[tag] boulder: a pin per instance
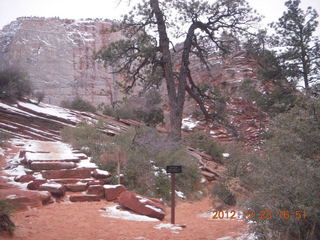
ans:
(141, 205)
(52, 165)
(112, 192)
(35, 184)
(67, 173)
(55, 189)
(100, 174)
(76, 187)
(96, 190)
(84, 198)
(24, 178)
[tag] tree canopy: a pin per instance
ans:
(145, 54)
(295, 32)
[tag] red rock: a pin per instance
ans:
(24, 178)
(112, 192)
(96, 190)
(52, 165)
(141, 205)
(76, 187)
(84, 198)
(100, 174)
(68, 173)
(46, 197)
(99, 182)
(55, 189)
(35, 184)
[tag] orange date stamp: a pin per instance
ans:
(260, 215)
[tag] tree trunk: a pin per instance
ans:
(174, 104)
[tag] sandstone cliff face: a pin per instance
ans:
(58, 56)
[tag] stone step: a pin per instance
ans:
(67, 173)
(76, 187)
(84, 198)
(52, 165)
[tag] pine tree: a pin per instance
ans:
(295, 32)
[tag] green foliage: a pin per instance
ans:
(39, 96)
(145, 109)
(205, 143)
(147, 154)
(223, 193)
(295, 31)
(281, 99)
(4, 137)
(286, 175)
(79, 104)
(14, 85)
(6, 225)
(88, 138)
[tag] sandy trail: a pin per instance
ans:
(80, 221)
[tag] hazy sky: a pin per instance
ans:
(76, 9)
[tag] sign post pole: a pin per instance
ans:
(173, 196)
(173, 169)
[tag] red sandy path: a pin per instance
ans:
(82, 221)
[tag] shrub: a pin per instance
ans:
(39, 96)
(148, 155)
(203, 142)
(14, 85)
(286, 175)
(221, 191)
(4, 137)
(145, 109)
(79, 104)
(6, 225)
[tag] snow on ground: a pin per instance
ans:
(86, 163)
(188, 123)
(48, 151)
(180, 194)
(111, 186)
(226, 155)
(169, 226)
(114, 212)
(50, 110)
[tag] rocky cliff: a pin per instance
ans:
(58, 56)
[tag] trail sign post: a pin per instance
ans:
(173, 169)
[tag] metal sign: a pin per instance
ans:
(174, 169)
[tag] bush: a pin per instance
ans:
(204, 142)
(223, 193)
(14, 85)
(39, 96)
(280, 100)
(145, 109)
(4, 137)
(286, 175)
(148, 155)
(79, 104)
(6, 225)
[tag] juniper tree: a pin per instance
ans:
(146, 51)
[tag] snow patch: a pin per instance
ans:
(86, 163)
(154, 208)
(189, 124)
(167, 226)
(110, 186)
(114, 212)
(180, 194)
(226, 155)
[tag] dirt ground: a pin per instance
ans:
(80, 221)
